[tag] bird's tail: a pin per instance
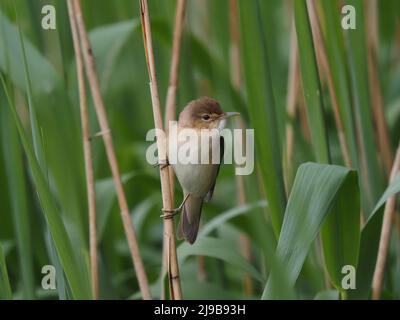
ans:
(190, 219)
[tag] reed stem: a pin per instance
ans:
(109, 146)
(382, 131)
(169, 234)
(170, 105)
(291, 103)
(322, 59)
(388, 221)
(87, 151)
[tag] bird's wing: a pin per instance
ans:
(221, 155)
(190, 219)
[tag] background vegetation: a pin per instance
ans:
(327, 125)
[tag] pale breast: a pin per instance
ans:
(197, 178)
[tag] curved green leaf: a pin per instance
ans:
(315, 191)
(369, 244)
(220, 249)
(340, 232)
(13, 159)
(107, 43)
(262, 110)
(74, 268)
(44, 77)
(230, 214)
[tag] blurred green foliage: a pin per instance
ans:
(43, 212)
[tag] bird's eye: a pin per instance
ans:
(206, 117)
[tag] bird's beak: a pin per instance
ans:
(229, 114)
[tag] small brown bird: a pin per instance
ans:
(198, 179)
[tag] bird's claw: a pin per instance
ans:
(168, 214)
(162, 164)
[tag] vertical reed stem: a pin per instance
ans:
(169, 235)
(87, 151)
(170, 105)
(170, 109)
(292, 99)
(109, 146)
(235, 73)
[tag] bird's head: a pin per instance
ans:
(204, 113)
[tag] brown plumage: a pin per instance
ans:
(198, 179)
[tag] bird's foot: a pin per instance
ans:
(162, 164)
(169, 214)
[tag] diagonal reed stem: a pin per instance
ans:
(322, 58)
(170, 105)
(87, 151)
(109, 146)
(169, 235)
(388, 220)
(235, 74)
(170, 109)
(382, 131)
